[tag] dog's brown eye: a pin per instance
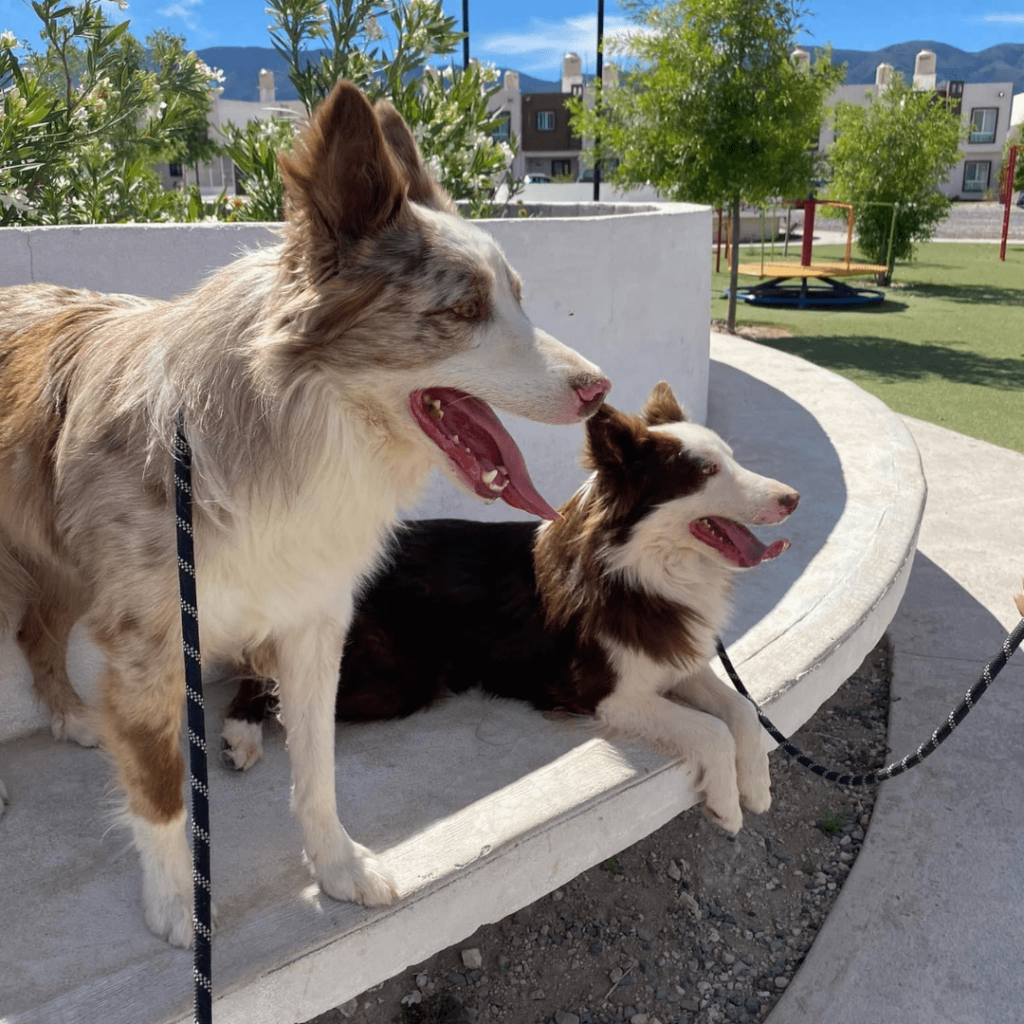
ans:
(468, 310)
(709, 468)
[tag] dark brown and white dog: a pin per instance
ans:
(320, 380)
(611, 611)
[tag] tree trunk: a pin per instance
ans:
(734, 261)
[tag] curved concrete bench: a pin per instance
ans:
(479, 806)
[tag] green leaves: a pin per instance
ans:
(86, 117)
(896, 150)
(385, 47)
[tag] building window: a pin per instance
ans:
(545, 120)
(560, 167)
(503, 132)
(577, 89)
(983, 124)
(174, 170)
(976, 175)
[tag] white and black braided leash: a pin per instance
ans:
(201, 890)
(953, 719)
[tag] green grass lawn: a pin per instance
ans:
(946, 346)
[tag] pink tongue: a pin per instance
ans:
(752, 552)
(750, 548)
(490, 444)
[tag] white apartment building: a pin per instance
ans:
(218, 175)
(986, 111)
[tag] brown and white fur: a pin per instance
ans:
(305, 373)
(611, 611)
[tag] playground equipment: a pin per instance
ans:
(809, 283)
(1006, 189)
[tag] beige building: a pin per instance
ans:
(219, 175)
(985, 108)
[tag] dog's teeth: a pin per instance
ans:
(489, 476)
(498, 488)
(437, 412)
(455, 438)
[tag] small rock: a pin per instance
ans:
(421, 981)
(349, 1009)
(673, 871)
(639, 1018)
(781, 982)
(537, 994)
(558, 895)
(412, 998)
(561, 1017)
(472, 959)
(615, 976)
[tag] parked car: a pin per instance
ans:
(537, 179)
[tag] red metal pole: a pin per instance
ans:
(718, 252)
(808, 232)
(1010, 174)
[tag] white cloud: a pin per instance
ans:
(1008, 19)
(542, 45)
(185, 10)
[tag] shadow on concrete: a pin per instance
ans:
(792, 448)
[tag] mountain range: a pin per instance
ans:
(1004, 63)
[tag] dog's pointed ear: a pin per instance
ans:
(662, 407)
(613, 439)
(423, 188)
(343, 180)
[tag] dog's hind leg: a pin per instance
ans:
(307, 681)
(43, 638)
(141, 714)
(705, 691)
(699, 740)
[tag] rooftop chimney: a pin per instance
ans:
(268, 91)
(924, 71)
(572, 71)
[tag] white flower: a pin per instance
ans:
(8, 40)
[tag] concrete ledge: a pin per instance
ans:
(479, 806)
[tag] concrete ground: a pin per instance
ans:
(930, 924)
(479, 807)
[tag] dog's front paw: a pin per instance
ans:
(727, 814)
(755, 783)
(75, 726)
(241, 743)
(360, 878)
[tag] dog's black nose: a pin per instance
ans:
(790, 501)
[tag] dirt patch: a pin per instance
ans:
(752, 332)
(688, 926)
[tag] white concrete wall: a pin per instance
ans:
(629, 289)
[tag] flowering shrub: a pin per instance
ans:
(385, 47)
(86, 115)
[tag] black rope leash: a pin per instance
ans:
(953, 719)
(203, 947)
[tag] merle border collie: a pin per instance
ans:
(610, 611)
(321, 380)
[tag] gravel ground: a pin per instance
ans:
(688, 926)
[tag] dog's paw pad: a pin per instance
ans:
(362, 879)
(241, 743)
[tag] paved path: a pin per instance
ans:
(930, 925)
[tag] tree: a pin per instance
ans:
(384, 47)
(1015, 137)
(897, 149)
(713, 109)
(87, 114)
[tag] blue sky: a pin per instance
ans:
(531, 35)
